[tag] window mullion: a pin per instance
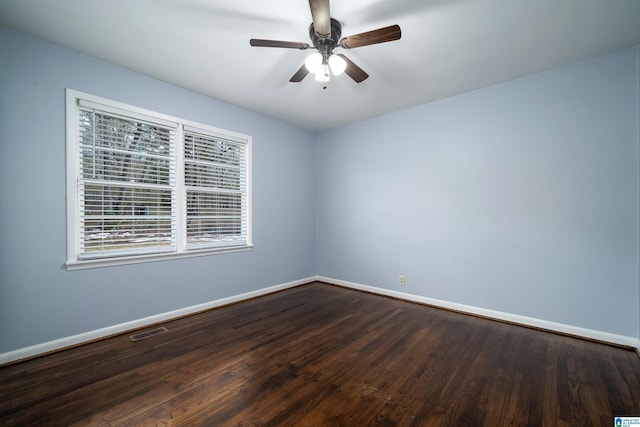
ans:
(180, 193)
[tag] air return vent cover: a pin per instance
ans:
(148, 334)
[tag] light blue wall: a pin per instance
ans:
(520, 198)
(637, 89)
(39, 299)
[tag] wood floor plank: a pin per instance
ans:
(320, 355)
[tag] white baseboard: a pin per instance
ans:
(59, 344)
(492, 314)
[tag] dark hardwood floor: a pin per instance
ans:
(320, 355)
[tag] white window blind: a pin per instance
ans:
(215, 190)
(147, 186)
(126, 185)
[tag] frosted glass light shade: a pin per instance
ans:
(313, 62)
(322, 75)
(337, 64)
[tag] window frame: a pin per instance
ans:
(74, 262)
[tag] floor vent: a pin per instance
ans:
(147, 334)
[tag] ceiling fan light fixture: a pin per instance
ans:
(313, 62)
(337, 65)
(322, 75)
(326, 35)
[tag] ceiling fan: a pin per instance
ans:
(325, 33)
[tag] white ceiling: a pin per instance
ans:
(447, 47)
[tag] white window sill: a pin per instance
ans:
(110, 262)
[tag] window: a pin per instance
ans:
(145, 186)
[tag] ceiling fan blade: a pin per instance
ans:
(278, 43)
(299, 75)
(353, 71)
(381, 35)
(321, 17)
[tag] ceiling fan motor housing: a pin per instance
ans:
(325, 45)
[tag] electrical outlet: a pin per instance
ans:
(401, 280)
